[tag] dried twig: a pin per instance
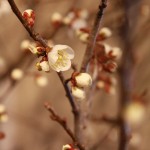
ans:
(63, 123)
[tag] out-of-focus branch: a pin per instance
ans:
(93, 36)
(126, 72)
(103, 118)
(97, 145)
(63, 123)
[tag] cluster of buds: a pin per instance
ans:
(79, 82)
(83, 34)
(58, 57)
(75, 19)
(68, 147)
(29, 16)
(107, 83)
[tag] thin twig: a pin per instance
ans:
(93, 36)
(63, 123)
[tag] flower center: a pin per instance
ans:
(62, 59)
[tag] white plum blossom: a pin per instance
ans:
(78, 93)
(83, 80)
(59, 57)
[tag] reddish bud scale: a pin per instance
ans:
(110, 66)
(73, 81)
(85, 30)
(56, 24)
(29, 17)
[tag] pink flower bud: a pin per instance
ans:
(29, 16)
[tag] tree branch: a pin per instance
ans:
(93, 36)
(63, 123)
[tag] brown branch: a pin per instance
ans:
(68, 94)
(93, 36)
(38, 38)
(63, 123)
(31, 31)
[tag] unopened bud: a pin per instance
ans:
(29, 16)
(67, 147)
(56, 19)
(83, 80)
(115, 52)
(25, 44)
(41, 81)
(83, 14)
(17, 74)
(78, 93)
(105, 32)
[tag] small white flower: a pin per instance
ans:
(106, 32)
(59, 57)
(56, 17)
(66, 147)
(83, 80)
(17, 74)
(78, 93)
(41, 81)
(45, 66)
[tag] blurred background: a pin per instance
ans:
(28, 125)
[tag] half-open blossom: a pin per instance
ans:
(59, 57)
(78, 93)
(29, 16)
(83, 80)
